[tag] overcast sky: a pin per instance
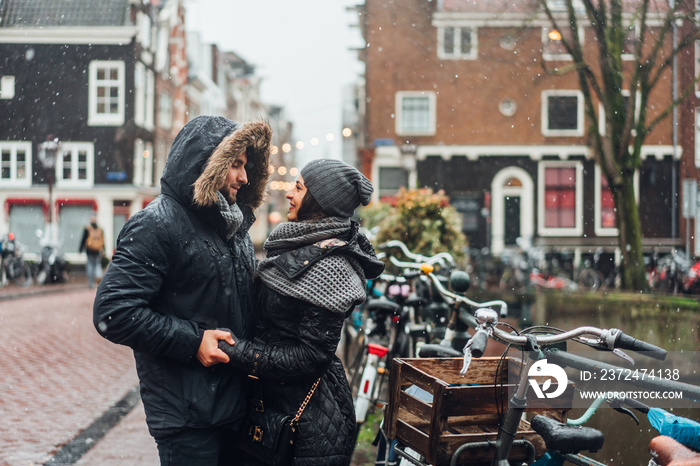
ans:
(301, 48)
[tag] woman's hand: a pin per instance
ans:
(209, 353)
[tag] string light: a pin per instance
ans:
(313, 141)
(554, 34)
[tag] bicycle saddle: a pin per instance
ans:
(668, 452)
(414, 301)
(567, 439)
(383, 305)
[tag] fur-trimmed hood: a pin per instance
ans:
(204, 150)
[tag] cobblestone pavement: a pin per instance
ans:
(59, 376)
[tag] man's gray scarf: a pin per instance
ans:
(335, 282)
(233, 216)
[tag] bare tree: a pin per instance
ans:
(647, 29)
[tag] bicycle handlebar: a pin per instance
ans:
(463, 299)
(627, 342)
(607, 338)
(439, 257)
(478, 345)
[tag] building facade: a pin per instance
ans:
(458, 98)
(104, 87)
(83, 77)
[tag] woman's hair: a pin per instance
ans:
(310, 208)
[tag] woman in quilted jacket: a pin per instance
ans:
(313, 276)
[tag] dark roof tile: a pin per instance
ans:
(55, 13)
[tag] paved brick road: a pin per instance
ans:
(57, 376)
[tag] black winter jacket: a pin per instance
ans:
(295, 344)
(174, 275)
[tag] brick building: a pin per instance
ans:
(457, 98)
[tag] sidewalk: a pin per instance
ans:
(77, 280)
(127, 443)
(54, 394)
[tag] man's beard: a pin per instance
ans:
(229, 194)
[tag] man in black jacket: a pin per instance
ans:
(183, 268)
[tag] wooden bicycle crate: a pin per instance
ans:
(456, 409)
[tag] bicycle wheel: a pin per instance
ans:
(24, 275)
(355, 370)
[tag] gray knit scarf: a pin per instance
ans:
(335, 282)
(233, 216)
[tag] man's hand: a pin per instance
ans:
(209, 353)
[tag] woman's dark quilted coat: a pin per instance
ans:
(295, 344)
(301, 341)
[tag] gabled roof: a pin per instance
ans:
(57, 13)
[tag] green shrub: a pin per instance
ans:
(422, 219)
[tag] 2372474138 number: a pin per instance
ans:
(613, 375)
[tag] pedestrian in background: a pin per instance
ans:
(313, 276)
(93, 243)
(183, 268)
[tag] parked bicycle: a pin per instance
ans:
(442, 441)
(534, 268)
(401, 315)
(672, 269)
(13, 269)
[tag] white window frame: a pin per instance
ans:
(599, 230)
(432, 108)
(144, 97)
(697, 138)
(165, 110)
(577, 230)
(558, 6)
(545, 113)
(559, 56)
(145, 31)
(96, 118)
(140, 94)
(697, 65)
(458, 54)
(630, 56)
(74, 148)
(7, 87)
(13, 147)
(143, 165)
(150, 122)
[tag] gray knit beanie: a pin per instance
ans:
(338, 188)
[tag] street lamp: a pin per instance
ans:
(48, 152)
